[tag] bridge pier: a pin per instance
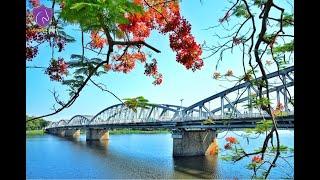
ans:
(61, 132)
(97, 134)
(74, 133)
(194, 142)
(50, 131)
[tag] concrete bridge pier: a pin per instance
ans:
(194, 142)
(50, 131)
(72, 133)
(97, 134)
(61, 132)
(53, 131)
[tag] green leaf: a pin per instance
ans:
(287, 20)
(286, 47)
(282, 148)
(79, 6)
(226, 158)
(263, 126)
(241, 11)
(134, 103)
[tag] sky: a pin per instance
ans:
(178, 82)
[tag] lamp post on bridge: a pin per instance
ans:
(181, 106)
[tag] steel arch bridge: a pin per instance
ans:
(228, 105)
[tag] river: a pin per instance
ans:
(138, 156)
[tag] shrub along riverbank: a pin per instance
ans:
(34, 132)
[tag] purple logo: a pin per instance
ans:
(42, 15)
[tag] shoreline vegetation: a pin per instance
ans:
(113, 132)
(34, 132)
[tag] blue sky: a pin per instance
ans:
(178, 83)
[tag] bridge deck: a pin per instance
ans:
(285, 122)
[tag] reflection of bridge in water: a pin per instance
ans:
(191, 134)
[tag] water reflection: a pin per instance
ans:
(203, 167)
(129, 156)
(100, 146)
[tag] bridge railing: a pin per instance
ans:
(236, 116)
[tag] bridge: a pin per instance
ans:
(193, 127)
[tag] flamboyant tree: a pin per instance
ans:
(119, 30)
(262, 30)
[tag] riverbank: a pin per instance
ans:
(34, 132)
(134, 131)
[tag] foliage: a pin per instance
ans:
(130, 21)
(34, 132)
(241, 11)
(138, 102)
(263, 126)
(118, 30)
(286, 47)
(36, 124)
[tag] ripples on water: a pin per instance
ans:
(136, 156)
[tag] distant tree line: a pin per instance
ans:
(36, 124)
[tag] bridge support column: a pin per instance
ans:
(74, 133)
(61, 132)
(97, 134)
(194, 142)
(49, 131)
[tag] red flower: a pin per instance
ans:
(158, 79)
(57, 69)
(256, 159)
(232, 140)
(97, 41)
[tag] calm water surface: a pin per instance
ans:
(136, 156)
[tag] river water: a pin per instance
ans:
(138, 156)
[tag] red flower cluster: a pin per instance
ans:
(97, 41)
(158, 79)
(31, 52)
(34, 35)
(127, 61)
(231, 140)
(140, 26)
(188, 51)
(151, 69)
(168, 21)
(256, 159)
(57, 69)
